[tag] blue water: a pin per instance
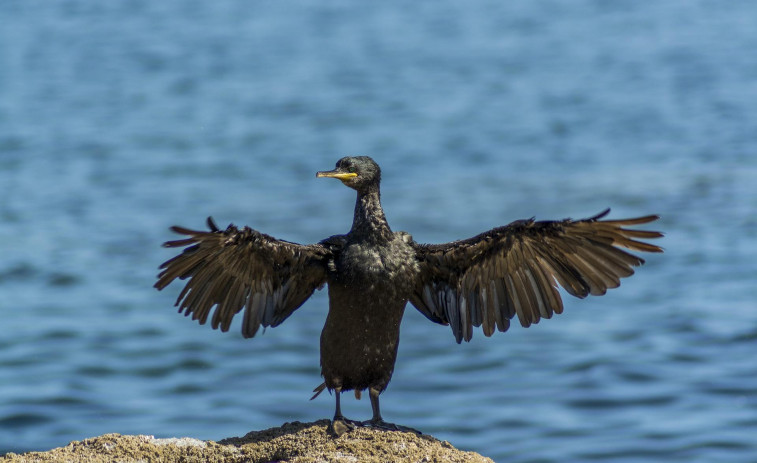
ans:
(119, 119)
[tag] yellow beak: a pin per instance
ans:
(336, 174)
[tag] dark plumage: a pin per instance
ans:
(372, 272)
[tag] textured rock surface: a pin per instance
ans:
(293, 442)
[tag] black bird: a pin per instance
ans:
(372, 272)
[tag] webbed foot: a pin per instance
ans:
(386, 426)
(341, 425)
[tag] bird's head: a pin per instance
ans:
(359, 172)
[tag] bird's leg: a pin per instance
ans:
(378, 422)
(374, 395)
(340, 424)
(338, 412)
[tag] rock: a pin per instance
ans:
(293, 442)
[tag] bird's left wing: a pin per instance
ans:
(237, 269)
(514, 270)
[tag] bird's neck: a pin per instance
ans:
(369, 220)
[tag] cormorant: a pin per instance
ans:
(372, 272)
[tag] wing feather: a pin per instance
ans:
(242, 269)
(515, 270)
(544, 283)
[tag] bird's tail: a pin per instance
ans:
(318, 390)
(322, 386)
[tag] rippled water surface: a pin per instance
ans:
(119, 119)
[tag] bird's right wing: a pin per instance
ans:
(237, 269)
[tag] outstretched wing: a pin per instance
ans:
(238, 269)
(514, 270)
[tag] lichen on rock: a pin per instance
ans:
(291, 443)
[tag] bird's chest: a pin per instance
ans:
(370, 266)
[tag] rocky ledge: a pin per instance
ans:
(293, 442)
